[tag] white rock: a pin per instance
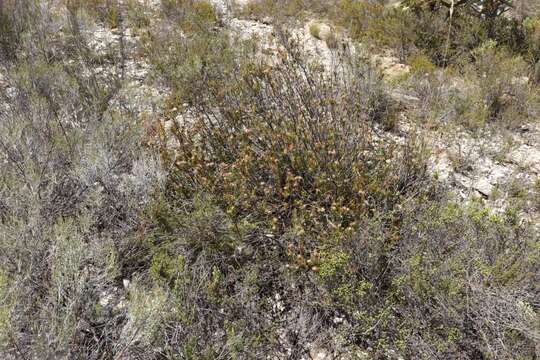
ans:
(319, 354)
(106, 298)
(526, 156)
(442, 167)
(484, 187)
(390, 66)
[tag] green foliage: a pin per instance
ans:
(283, 9)
(425, 26)
(166, 267)
(487, 9)
(105, 11)
(333, 263)
(5, 309)
(315, 30)
(503, 94)
(190, 15)
(487, 253)
(392, 28)
(205, 55)
(356, 16)
(421, 64)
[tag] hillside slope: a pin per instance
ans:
(256, 179)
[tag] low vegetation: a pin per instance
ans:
(268, 208)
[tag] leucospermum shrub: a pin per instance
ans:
(289, 142)
(274, 169)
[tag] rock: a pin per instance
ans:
(396, 71)
(267, 20)
(106, 298)
(121, 306)
(222, 7)
(525, 128)
(404, 99)
(442, 168)
(390, 66)
(521, 80)
(277, 303)
(484, 187)
(462, 180)
(526, 156)
(248, 29)
(243, 3)
(324, 31)
(319, 354)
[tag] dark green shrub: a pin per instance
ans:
(427, 26)
(289, 159)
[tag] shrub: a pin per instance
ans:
(315, 30)
(332, 40)
(421, 64)
(283, 9)
(205, 53)
(474, 275)
(273, 173)
(105, 11)
(503, 94)
(357, 15)
(392, 28)
(16, 23)
(6, 304)
(306, 160)
(73, 178)
(192, 15)
(495, 93)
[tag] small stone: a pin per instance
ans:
(267, 20)
(484, 187)
(404, 98)
(106, 299)
(396, 71)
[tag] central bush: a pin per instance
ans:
(289, 143)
